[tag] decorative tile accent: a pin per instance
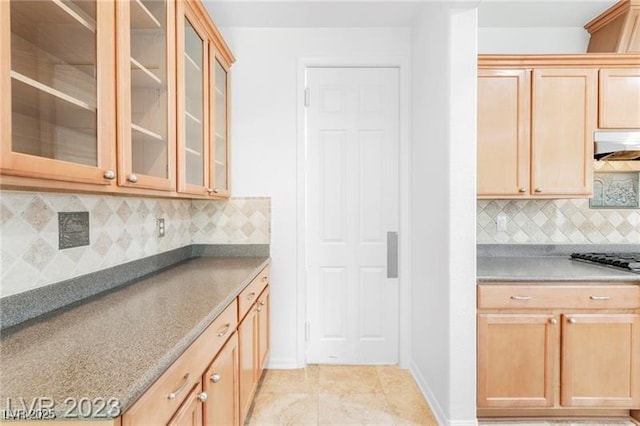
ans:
(615, 190)
(567, 221)
(121, 229)
(73, 229)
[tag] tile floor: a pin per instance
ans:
(340, 395)
(356, 395)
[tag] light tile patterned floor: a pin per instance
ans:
(340, 395)
(358, 395)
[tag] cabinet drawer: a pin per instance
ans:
(159, 403)
(549, 297)
(250, 294)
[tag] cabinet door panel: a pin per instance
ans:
(190, 412)
(517, 356)
(563, 121)
(247, 337)
(56, 77)
(146, 87)
(619, 100)
(193, 104)
(221, 384)
(220, 137)
(601, 360)
(503, 132)
(263, 330)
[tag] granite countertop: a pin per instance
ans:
(116, 345)
(547, 268)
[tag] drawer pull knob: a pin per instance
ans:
(572, 320)
(203, 396)
(522, 190)
(600, 297)
(109, 174)
(553, 321)
(175, 393)
(538, 190)
(264, 278)
(521, 297)
(251, 295)
(224, 330)
(216, 378)
(259, 309)
(262, 303)
(132, 178)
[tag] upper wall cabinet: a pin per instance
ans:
(146, 93)
(61, 72)
(202, 108)
(619, 100)
(57, 78)
(504, 121)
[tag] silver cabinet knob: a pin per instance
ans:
(203, 396)
(572, 320)
(522, 190)
(132, 178)
(109, 174)
(538, 190)
(553, 321)
(210, 190)
(215, 191)
(215, 378)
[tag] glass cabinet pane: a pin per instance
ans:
(54, 80)
(220, 127)
(194, 135)
(149, 107)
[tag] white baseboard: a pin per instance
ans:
(433, 402)
(283, 364)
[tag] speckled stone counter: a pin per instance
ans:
(547, 268)
(117, 344)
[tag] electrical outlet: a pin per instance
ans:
(501, 222)
(160, 227)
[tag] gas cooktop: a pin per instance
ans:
(628, 261)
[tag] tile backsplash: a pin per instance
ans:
(567, 221)
(122, 229)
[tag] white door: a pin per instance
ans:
(352, 125)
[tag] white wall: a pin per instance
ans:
(532, 40)
(443, 211)
(263, 121)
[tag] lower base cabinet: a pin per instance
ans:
(190, 412)
(214, 380)
(220, 382)
(558, 348)
(253, 334)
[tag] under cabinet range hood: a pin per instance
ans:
(617, 145)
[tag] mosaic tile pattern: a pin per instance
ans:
(615, 190)
(121, 229)
(555, 222)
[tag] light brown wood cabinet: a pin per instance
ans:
(253, 334)
(203, 104)
(190, 412)
(61, 71)
(57, 109)
(535, 132)
(551, 348)
(221, 384)
(619, 98)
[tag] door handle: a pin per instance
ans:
(392, 255)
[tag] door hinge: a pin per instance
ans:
(307, 331)
(307, 96)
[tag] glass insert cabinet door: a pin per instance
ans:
(146, 92)
(56, 73)
(220, 128)
(193, 104)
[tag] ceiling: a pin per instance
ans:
(398, 13)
